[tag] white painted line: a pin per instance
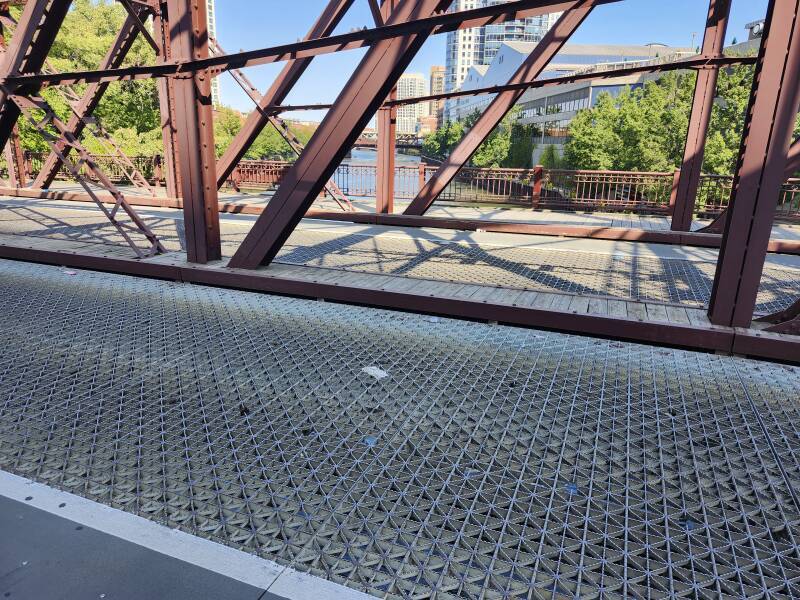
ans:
(241, 566)
(302, 586)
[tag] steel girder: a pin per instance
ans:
(771, 114)
(91, 97)
(194, 126)
(364, 92)
(36, 31)
(528, 71)
(685, 193)
(387, 132)
(437, 24)
(257, 120)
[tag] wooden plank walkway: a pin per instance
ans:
(650, 322)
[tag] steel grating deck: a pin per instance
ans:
(644, 279)
(488, 462)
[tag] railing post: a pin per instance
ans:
(685, 194)
(421, 169)
(538, 175)
(673, 195)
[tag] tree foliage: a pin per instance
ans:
(509, 145)
(644, 129)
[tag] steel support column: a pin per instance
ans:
(257, 120)
(529, 70)
(91, 97)
(194, 126)
(761, 167)
(683, 201)
(387, 141)
(166, 105)
(364, 92)
(37, 29)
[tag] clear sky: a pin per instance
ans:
(251, 24)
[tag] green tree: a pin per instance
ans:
(644, 129)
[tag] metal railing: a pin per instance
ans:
(553, 189)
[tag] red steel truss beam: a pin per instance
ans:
(366, 89)
(685, 192)
(91, 98)
(166, 105)
(528, 71)
(435, 24)
(194, 126)
(37, 29)
(386, 121)
(793, 161)
(773, 107)
(257, 120)
(700, 62)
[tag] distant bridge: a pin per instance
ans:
(401, 141)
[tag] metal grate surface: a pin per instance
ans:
(472, 461)
(686, 282)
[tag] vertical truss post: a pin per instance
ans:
(166, 104)
(12, 152)
(283, 84)
(761, 168)
(387, 146)
(363, 93)
(91, 98)
(528, 71)
(685, 194)
(37, 29)
(194, 127)
(793, 162)
(387, 139)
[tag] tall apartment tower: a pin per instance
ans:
(437, 78)
(411, 85)
(479, 46)
(212, 31)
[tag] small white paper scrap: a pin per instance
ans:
(376, 372)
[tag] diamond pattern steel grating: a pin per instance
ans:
(685, 282)
(488, 462)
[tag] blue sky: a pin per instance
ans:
(249, 24)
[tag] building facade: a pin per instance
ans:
(435, 107)
(211, 15)
(467, 48)
(411, 85)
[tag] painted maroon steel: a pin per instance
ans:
(528, 71)
(683, 201)
(717, 226)
(698, 62)
(257, 120)
(793, 160)
(761, 168)
(15, 163)
(385, 162)
(387, 140)
(366, 89)
(35, 33)
(91, 98)
(438, 24)
(741, 341)
(689, 239)
(194, 125)
(166, 105)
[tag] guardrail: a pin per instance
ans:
(553, 189)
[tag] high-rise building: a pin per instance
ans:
(469, 47)
(411, 85)
(212, 31)
(436, 87)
